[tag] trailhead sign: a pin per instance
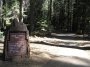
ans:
(16, 43)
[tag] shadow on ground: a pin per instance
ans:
(76, 47)
(1, 56)
(62, 61)
(54, 63)
(69, 36)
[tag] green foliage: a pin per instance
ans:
(44, 16)
(1, 34)
(8, 9)
(43, 25)
(38, 17)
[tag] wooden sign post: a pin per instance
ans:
(16, 45)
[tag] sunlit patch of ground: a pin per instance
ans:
(1, 48)
(60, 50)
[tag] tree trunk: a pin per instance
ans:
(21, 11)
(49, 16)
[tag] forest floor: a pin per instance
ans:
(58, 50)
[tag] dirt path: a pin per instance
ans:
(56, 56)
(60, 57)
(45, 52)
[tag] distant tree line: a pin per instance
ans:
(45, 16)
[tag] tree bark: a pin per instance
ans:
(20, 10)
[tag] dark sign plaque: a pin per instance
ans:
(17, 36)
(17, 44)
